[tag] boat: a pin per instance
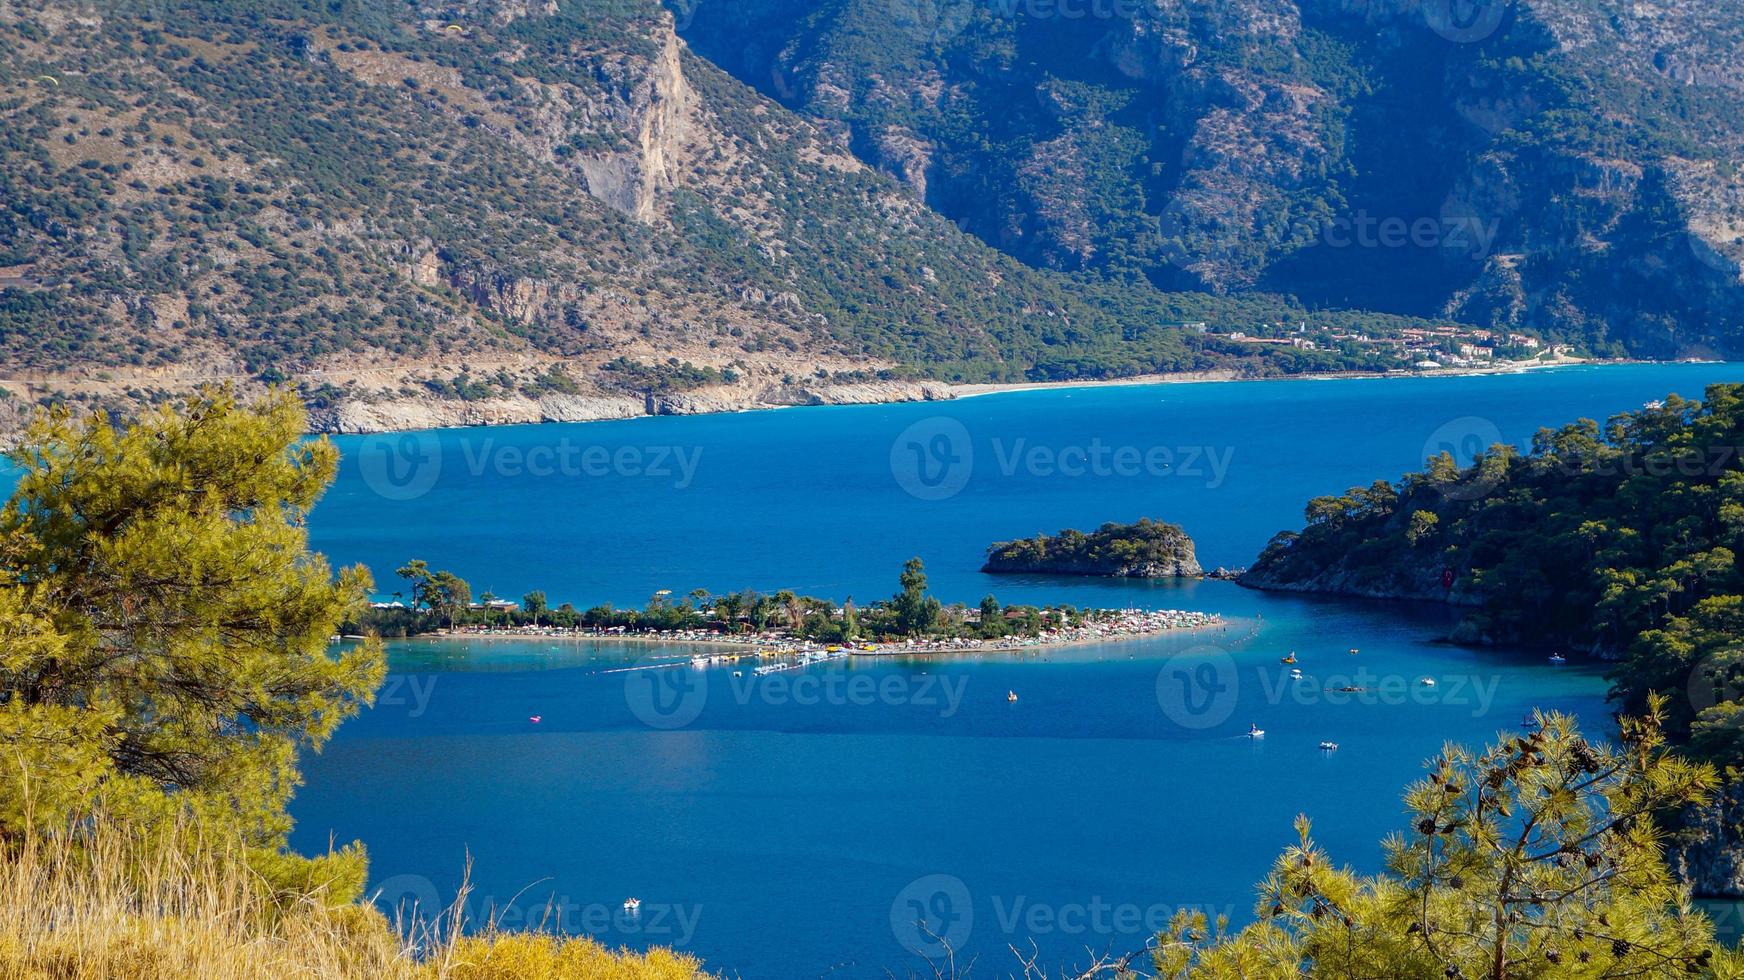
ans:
(1427, 682)
(1329, 746)
(1558, 659)
(1011, 696)
(632, 904)
(1296, 674)
(1255, 731)
(1354, 651)
(1290, 659)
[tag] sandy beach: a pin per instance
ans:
(1113, 626)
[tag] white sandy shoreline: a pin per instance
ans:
(786, 646)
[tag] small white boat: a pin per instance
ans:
(1427, 682)
(1011, 696)
(1296, 674)
(1329, 746)
(1255, 731)
(1558, 659)
(632, 904)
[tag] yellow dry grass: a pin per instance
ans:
(107, 902)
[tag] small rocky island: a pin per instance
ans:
(1147, 549)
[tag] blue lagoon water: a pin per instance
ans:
(802, 824)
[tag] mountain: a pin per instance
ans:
(423, 212)
(1563, 165)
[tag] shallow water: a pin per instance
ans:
(801, 824)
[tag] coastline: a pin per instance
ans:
(782, 646)
(426, 415)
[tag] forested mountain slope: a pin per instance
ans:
(428, 212)
(1566, 165)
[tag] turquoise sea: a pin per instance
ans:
(845, 819)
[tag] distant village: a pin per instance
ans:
(1414, 348)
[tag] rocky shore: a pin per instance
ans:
(431, 412)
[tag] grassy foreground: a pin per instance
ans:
(108, 901)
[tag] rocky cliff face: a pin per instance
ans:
(1559, 165)
(1413, 577)
(495, 209)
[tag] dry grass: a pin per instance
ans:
(108, 902)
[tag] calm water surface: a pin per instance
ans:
(801, 824)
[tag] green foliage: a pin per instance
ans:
(1622, 539)
(165, 625)
(1143, 548)
(1537, 857)
(915, 613)
(165, 204)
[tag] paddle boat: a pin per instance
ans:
(1288, 660)
(536, 719)
(1255, 731)
(1558, 659)
(1011, 696)
(1329, 746)
(632, 904)
(1427, 682)
(1296, 674)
